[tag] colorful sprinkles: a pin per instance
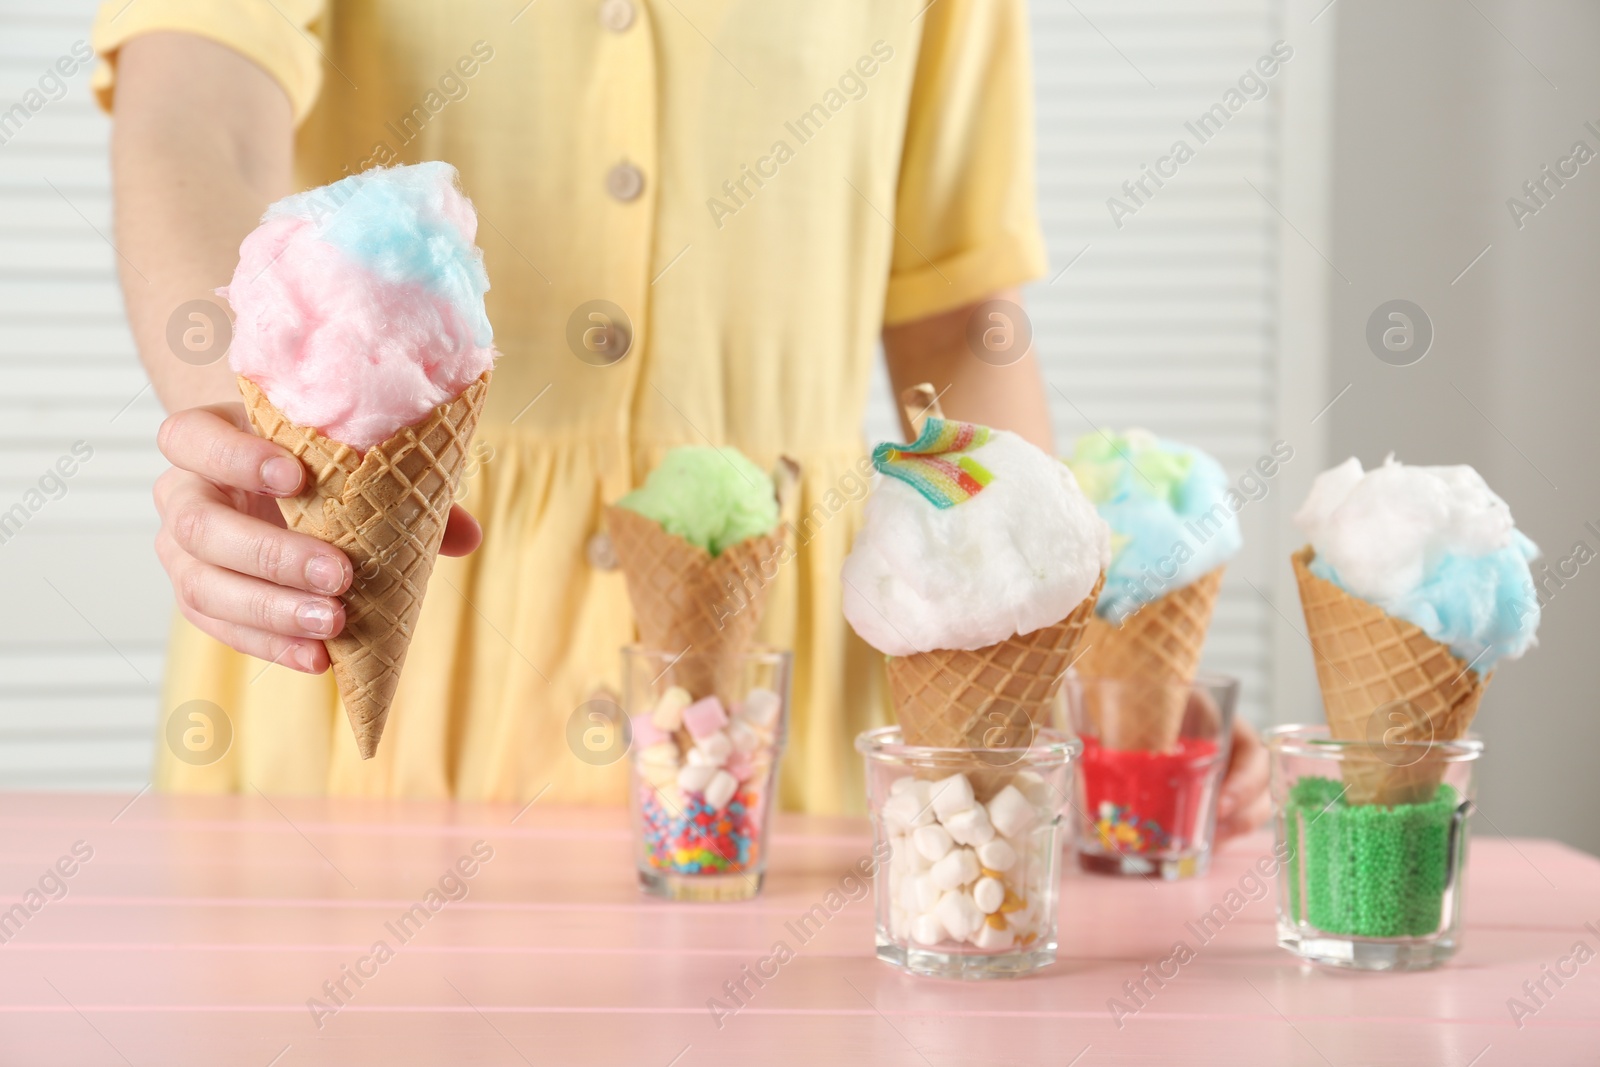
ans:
(1369, 870)
(700, 839)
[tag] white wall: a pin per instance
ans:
(81, 643)
(1443, 111)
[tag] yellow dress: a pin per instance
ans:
(726, 173)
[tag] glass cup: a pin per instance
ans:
(971, 842)
(706, 738)
(1373, 839)
(1153, 760)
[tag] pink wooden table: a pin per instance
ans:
(200, 927)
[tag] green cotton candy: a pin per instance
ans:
(1101, 463)
(711, 497)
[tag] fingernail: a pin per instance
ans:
(307, 658)
(1225, 805)
(324, 574)
(315, 616)
(281, 475)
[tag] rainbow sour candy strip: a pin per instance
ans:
(933, 465)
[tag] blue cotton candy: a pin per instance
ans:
(1483, 607)
(1171, 523)
(408, 227)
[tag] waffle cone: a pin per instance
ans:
(1383, 681)
(701, 608)
(954, 698)
(385, 509)
(1154, 655)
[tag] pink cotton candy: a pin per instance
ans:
(346, 316)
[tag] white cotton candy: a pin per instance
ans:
(1014, 558)
(1380, 530)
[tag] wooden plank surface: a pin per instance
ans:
(200, 927)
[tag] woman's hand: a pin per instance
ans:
(1244, 803)
(238, 574)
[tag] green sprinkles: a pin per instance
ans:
(1369, 870)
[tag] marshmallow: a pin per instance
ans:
(902, 887)
(699, 757)
(932, 841)
(671, 797)
(716, 746)
(958, 867)
(1032, 785)
(924, 893)
(988, 895)
(990, 939)
(646, 733)
(951, 795)
(927, 930)
(899, 923)
(668, 714)
(970, 827)
(720, 789)
(909, 808)
(659, 775)
(743, 737)
(1010, 812)
(705, 717)
(900, 785)
(741, 766)
(695, 777)
(663, 753)
(761, 707)
(958, 914)
(997, 855)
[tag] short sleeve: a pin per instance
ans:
(965, 209)
(276, 35)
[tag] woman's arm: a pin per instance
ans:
(202, 142)
(990, 391)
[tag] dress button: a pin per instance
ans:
(602, 557)
(625, 181)
(616, 15)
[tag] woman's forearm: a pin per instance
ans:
(201, 142)
(991, 391)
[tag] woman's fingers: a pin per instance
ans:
(213, 443)
(1246, 820)
(462, 534)
(206, 526)
(1244, 803)
(250, 602)
(308, 657)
